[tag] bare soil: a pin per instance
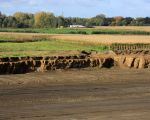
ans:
(83, 94)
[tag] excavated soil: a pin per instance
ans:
(19, 65)
(76, 87)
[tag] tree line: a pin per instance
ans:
(49, 20)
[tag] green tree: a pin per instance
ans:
(60, 21)
(2, 17)
(11, 22)
(24, 19)
(99, 20)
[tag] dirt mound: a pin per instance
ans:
(17, 65)
(132, 61)
(132, 52)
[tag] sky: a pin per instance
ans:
(79, 8)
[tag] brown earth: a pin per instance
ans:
(83, 94)
(103, 39)
(18, 65)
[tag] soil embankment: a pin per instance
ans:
(17, 65)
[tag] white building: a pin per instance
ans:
(77, 26)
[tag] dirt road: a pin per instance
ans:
(90, 94)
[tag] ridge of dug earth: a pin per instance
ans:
(20, 65)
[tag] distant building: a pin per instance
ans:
(77, 26)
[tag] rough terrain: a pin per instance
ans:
(18, 65)
(83, 94)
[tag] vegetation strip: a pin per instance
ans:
(76, 31)
(22, 41)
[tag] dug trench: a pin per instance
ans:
(20, 65)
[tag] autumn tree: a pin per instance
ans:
(118, 20)
(44, 19)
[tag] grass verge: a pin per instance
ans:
(36, 48)
(77, 31)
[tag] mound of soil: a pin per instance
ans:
(17, 65)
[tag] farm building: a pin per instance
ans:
(77, 26)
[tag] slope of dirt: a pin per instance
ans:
(19, 65)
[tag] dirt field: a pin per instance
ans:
(104, 39)
(89, 94)
(94, 39)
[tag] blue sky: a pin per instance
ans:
(81, 8)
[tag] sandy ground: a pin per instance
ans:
(103, 39)
(85, 94)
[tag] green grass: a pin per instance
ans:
(33, 48)
(14, 40)
(76, 31)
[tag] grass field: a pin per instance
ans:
(99, 30)
(42, 43)
(40, 48)
(134, 28)
(86, 39)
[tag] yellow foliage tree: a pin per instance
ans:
(43, 19)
